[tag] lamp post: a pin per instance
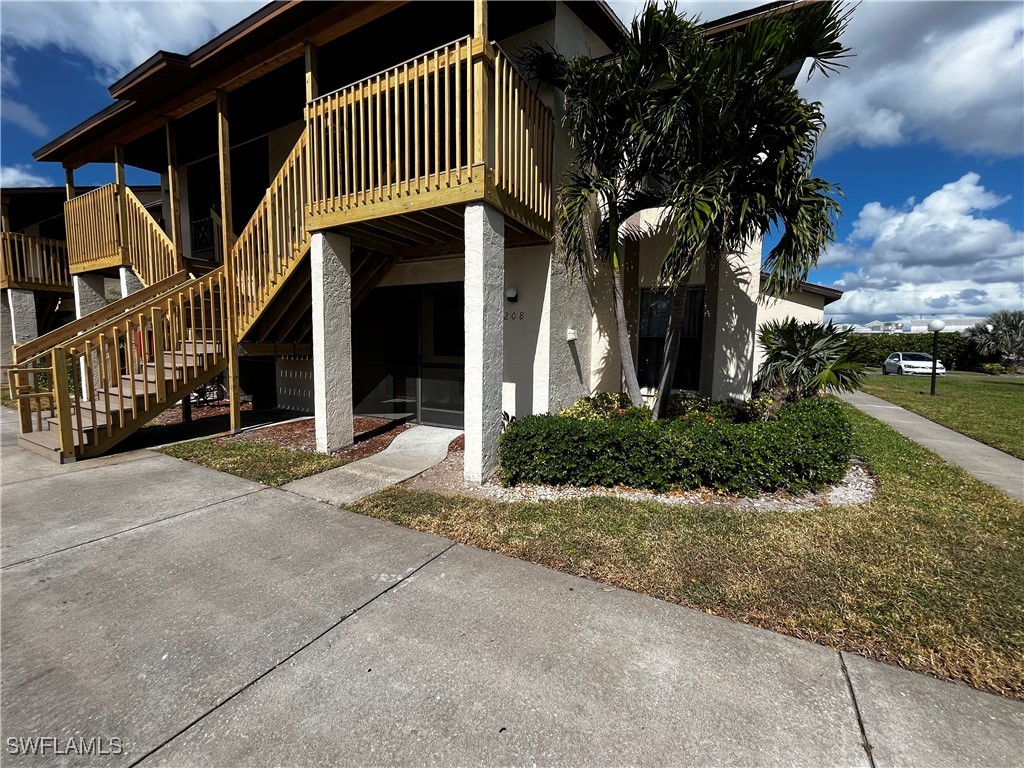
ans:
(935, 326)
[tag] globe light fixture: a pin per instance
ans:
(935, 326)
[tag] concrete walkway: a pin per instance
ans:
(412, 452)
(998, 469)
(202, 620)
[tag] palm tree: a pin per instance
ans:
(1002, 334)
(740, 142)
(610, 106)
(808, 359)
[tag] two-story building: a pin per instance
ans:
(358, 207)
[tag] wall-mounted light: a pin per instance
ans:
(512, 295)
(570, 335)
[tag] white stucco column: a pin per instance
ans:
(484, 329)
(331, 266)
(90, 294)
(129, 283)
(19, 320)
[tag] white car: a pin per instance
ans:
(911, 363)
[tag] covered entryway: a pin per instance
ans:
(408, 354)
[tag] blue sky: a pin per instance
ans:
(926, 133)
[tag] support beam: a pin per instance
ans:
(19, 320)
(122, 199)
(484, 331)
(69, 182)
(331, 269)
(129, 282)
(312, 72)
(90, 295)
(481, 88)
(5, 220)
(174, 190)
(228, 240)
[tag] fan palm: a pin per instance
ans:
(808, 359)
(1002, 334)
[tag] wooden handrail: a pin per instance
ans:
(92, 227)
(273, 241)
(34, 262)
(97, 239)
(524, 135)
(405, 132)
(149, 250)
(23, 353)
(456, 123)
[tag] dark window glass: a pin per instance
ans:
(654, 315)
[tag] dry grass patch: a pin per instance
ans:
(260, 462)
(930, 575)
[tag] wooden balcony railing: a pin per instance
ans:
(92, 229)
(273, 241)
(98, 240)
(34, 263)
(407, 139)
(149, 250)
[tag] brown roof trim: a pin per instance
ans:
(727, 23)
(158, 61)
(830, 294)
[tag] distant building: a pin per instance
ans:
(953, 324)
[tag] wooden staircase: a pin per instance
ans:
(89, 385)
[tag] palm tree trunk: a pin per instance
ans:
(619, 307)
(709, 334)
(622, 332)
(671, 356)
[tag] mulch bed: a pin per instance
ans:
(371, 436)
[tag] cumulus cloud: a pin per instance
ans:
(117, 36)
(949, 72)
(943, 253)
(22, 176)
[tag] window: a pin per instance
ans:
(654, 312)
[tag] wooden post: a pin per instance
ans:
(122, 200)
(224, 151)
(174, 192)
(159, 363)
(5, 220)
(481, 86)
(312, 72)
(69, 182)
(62, 392)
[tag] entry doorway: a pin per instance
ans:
(408, 354)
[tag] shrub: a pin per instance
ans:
(603, 406)
(993, 369)
(956, 352)
(806, 447)
(808, 359)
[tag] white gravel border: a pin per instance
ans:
(858, 487)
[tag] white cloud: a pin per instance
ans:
(942, 254)
(8, 77)
(16, 113)
(117, 36)
(22, 176)
(950, 72)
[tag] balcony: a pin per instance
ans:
(110, 227)
(34, 263)
(453, 126)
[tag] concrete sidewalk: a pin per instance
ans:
(998, 469)
(412, 452)
(253, 626)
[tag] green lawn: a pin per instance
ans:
(260, 462)
(987, 408)
(930, 575)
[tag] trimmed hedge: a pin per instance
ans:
(956, 352)
(807, 447)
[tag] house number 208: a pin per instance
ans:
(515, 315)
